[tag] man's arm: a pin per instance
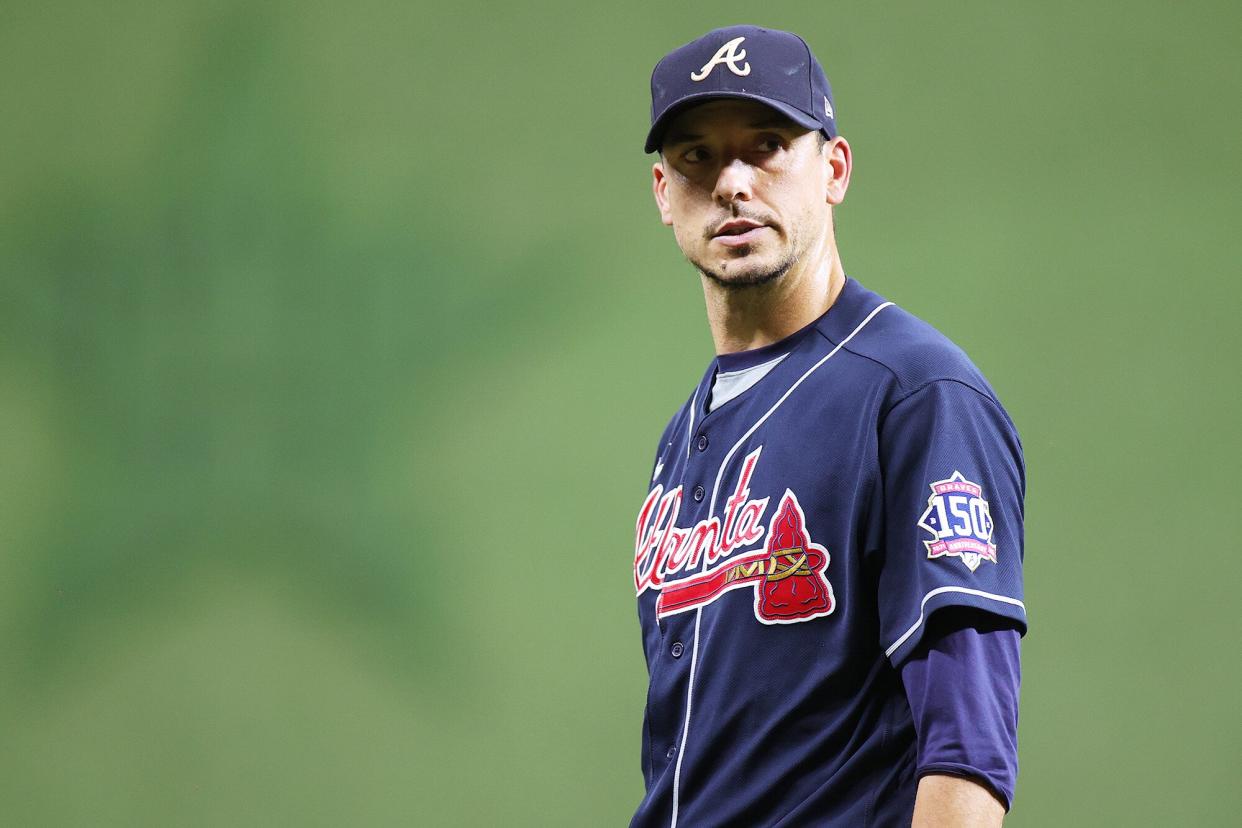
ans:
(955, 802)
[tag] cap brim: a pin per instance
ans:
(655, 137)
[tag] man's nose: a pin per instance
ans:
(734, 183)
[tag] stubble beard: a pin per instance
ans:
(745, 279)
(734, 275)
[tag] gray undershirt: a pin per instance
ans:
(730, 384)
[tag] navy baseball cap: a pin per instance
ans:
(766, 65)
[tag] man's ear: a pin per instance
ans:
(839, 162)
(659, 188)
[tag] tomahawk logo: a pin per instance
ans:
(787, 576)
(729, 56)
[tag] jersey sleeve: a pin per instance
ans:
(953, 483)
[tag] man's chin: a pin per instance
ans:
(742, 270)
(745, 278)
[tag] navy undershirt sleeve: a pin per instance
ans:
(962, 684)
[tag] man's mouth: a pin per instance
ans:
(738, 232)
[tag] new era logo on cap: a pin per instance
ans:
(766, 65)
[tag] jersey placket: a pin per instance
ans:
(680, 631)
(708, 449)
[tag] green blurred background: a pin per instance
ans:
(335, 341)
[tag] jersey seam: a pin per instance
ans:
(897, 378)
(884, 416)
(993, 403)
(932, 382)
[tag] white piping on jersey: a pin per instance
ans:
(694, 407)
(939, 591)
(698, 614)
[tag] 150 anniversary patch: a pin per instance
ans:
(959, 521)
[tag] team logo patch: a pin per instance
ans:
(787, 576)
(959, 521)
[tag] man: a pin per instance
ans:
(829, 561)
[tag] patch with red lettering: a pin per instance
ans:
(959, 521)
(787, 576)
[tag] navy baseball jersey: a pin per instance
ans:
(794, 542)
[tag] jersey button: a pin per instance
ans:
(677, 649)
(699, 492)
(672, 751)
(702, 442)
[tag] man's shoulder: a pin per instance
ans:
(910, 352)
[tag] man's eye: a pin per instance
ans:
(696, 155)
(769, 145)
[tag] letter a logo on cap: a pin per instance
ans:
(728, 55)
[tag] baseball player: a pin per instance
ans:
(828, 561)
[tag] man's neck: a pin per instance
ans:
(745, 318)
